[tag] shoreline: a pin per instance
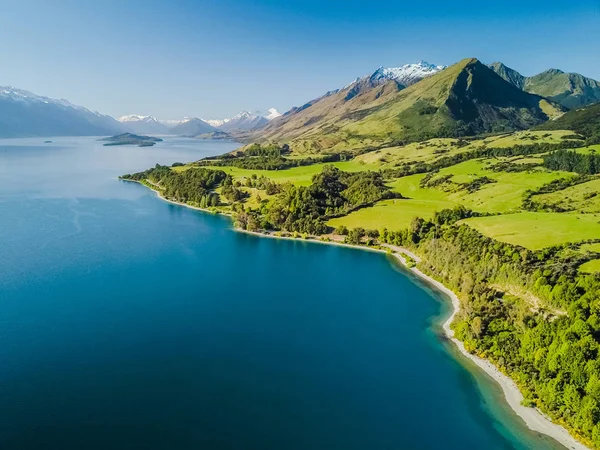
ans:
(533, 418)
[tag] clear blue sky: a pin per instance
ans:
(213, 58)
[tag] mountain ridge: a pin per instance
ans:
(571, 90)
(24, 114)
(464, 99)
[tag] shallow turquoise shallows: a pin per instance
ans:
(130, 323)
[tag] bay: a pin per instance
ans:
(130, 323)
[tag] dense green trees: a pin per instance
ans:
(195, 186)
(584, 121)
(570, 161)
(333, 192)
(266, 157)
(546, 339)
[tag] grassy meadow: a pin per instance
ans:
(501, 194)
(536, 230)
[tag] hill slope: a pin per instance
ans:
(585, 121)
(25, 114)
(465, 99)
(571, 90)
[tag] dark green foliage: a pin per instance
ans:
(342, 230)
(511, 167)
(554, 357)
(190, 186)
(270, 150)
(266, 157)
(570, 161)
(264, 184)
(475, 185)
(131, 139)
(305, 209)
(354, 236)
(584, 121)
(450, 216)
(233, 193)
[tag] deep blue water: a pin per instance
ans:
(130, 323)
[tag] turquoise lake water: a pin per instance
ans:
(130, 323)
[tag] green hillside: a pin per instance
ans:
(571, 90)
(585, 121)
(465, 99)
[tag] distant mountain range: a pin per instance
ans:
(146, 124)
(390, 105)
(244, 121)
(25, 114)
(465, 99)
(571, 90)
(193, 126)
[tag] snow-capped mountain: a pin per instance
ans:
(273, 114)
(23, 113)
(216, 122)
(405, 75)
(244, 120)
(144, 124)
(409, 73)
(174, 122)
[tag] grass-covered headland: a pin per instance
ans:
(512, 228)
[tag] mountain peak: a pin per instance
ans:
(137, 118)
(26, 114)
(403, 75)
(552, 72)
(273, 113)
(467, 62)
(245, 120)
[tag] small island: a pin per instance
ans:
(216, 135)
(131, 139)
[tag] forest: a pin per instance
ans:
(571, 161)
(551, 353)
(190, 186)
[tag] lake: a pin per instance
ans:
(130, 323)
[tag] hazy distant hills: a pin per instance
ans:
(569, 89)
(245, 121)
(196, 127)
(145, 124)
(25, 114)
(192, 127)
(465, 99)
